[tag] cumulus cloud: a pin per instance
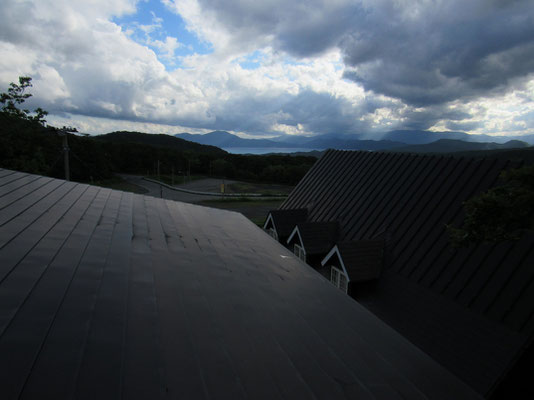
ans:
(297, 67)
(422, 52)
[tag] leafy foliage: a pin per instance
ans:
(502, 213)
(26, 145)
(15, 96)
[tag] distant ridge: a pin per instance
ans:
(452, 145)
(226, 139)
(425, 137)
(158, 140)
(399, 140)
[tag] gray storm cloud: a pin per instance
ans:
(421, 63)
(422, 52)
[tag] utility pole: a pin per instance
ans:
(189, 169)
(65, 155)
(158, 171)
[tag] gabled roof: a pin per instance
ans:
(284, 221)
(315, 237)
(361, 260)
(106, 294)
(471, 309)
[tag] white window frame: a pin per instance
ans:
(299, 251)
(339, 279)
(272, 232)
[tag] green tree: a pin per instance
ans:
(15, 96)
(505, 212)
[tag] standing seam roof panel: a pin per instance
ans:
(304, 184)
(11, 196)
(369, 226)
(400, 204)
(349, 204)
(18, 181)
(337, 190)
(19, 235)
(488, 177)
(425, 219)
(149, 298)
(43, 304)
(322, 191)
(371, 195)
(511, 290)
(365, 177)
(379, 221)
(55, 370)
(435, 240)
(23, 263)
(490, 291)
(99, 374)
(408, 199)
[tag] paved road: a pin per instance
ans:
(255, 211)
(160, 191)
(207, 185)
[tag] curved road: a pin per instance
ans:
(156, 190)
(255, 210)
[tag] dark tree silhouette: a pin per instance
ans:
(15, 96)
(505, 212)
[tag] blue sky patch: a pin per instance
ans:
(252, 61)
(153, 23)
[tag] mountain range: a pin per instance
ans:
(158, 140)
(401, 140)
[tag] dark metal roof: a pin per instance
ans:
(285, 220)
(362, 259)
(105, 294)
(471, 309)
(316, 237)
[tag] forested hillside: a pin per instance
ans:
(31, 147)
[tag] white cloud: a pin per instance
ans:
(168, 47)
(86, 67)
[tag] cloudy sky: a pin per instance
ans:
(275, 66)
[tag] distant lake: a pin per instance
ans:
(263, 150)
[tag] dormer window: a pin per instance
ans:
(299, 252)
(272, 232)
(339, 279)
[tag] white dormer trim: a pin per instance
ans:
(302, 250)
(269, 218)
(336, 276)
(299, 252)
(296, 231)
(271, 231)
(335, 251)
